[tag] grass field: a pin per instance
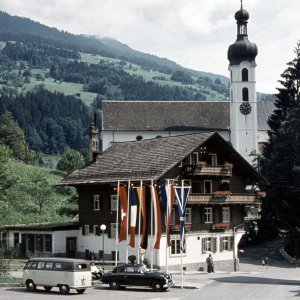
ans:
(67, 88)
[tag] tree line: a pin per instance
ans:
(52, 122)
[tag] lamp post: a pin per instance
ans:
(103, 227)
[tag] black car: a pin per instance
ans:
(137, 275)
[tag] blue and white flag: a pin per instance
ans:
(182, 194)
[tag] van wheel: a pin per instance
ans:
(156, 286)
(48, 288)
(114, 285)
(30, 285)
(64, 289)
(80, 291)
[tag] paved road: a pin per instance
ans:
(280, 281)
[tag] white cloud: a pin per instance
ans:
(194, 33)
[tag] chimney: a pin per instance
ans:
(93, 141)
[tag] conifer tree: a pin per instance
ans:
(281, 162)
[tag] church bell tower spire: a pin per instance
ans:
(243, 103)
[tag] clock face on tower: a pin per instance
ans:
(245, 108)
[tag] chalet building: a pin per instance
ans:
(218, 204)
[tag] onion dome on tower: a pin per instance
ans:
(242, 49)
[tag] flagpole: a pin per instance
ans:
(151, 224)
(139, 229)
(181, 251)
(117, 223)
(128, 195)
(167, 216)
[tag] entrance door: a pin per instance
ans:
(71, 246)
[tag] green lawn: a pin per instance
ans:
(11, 280)
(67, 88)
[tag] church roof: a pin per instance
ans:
(175, 115)
(148, 159)
(264, 111)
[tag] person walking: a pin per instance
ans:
(210, 264)
(266, 259)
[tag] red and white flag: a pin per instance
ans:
(133, 214)
(124, 213)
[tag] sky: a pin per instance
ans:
(193, 33)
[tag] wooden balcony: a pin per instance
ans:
(196, 170)
(224, 199)
(176, 227)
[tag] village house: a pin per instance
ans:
(218, 202)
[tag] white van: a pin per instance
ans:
(64, 273)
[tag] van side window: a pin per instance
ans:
(49, 265)
(57, 266)
(81, 266)
(41, 265)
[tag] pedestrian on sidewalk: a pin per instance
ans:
(210, 264)
(266, 259)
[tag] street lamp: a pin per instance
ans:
(103, 227)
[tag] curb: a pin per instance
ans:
(11, 285)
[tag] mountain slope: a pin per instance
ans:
(11, 27)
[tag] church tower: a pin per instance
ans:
(243, 102)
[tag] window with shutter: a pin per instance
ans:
(203, 245)
(221, 244)
(113, 202)
(214, 241)
(97, 229)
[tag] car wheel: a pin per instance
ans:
(157, 286)
(30, 285)
(80, 291)
(64, 289)
(48, 288)
(114, 285)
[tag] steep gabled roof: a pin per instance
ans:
(138, 160)
(165, 115)
(145, 160)
(175, 115)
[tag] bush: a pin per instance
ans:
(4, 265)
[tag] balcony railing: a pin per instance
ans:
(201, 170)
(222, 199)
(176, 227)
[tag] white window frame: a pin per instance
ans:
(225, 242)
(86, 229)
(196, 154)
(175, 249)
(95, 229)
(210, 185)
(188, 215)
(113, 227)
(225, 214)
(208, 244)
(214, 159)
(96, 202)
(208, 214)
(113, 202)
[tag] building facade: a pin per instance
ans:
(218, 204)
